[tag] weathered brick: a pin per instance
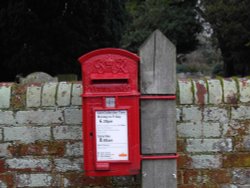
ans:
(2, 184)
(64, 94)
(73, 116)
(200, 92)
(218, 176)
(209, 145)
(35, 180)
(76, 94)
(185, 91)
(198, 130)
(192, 113)
(216, 114)
(244, 90)
(29, 164)
(178, 114)
(181, 145)
(184, 162)
(6, 180)
(74, 149)
(191, 176)
(230, 91)
(64, 165)
(128, 181)
(77, 179)
(215, 91)
(26, 134)
(49, 94)
(241, 113)
(5, 94)
(1, 135)
(246, 142)
(206, 161)
(67, 132)
(241, 176)
(33, 96)
(38, 149)
(4, 150)
(236, 128)
(228, 186)
(42, 117)
(2, 166)
(6, 118)
(236, 160)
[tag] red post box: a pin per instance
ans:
(110, 113)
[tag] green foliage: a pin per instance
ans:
(176, 19)
(230, 20)
(49, 35)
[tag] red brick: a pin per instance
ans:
(190, 176)
(2, 166)
(80, 180)
(7, 179)
(179, 177)
(181, 145)
(236, 160)
(220, 176)
(38, 149)
(208, 185)
(184, 162)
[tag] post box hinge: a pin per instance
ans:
(158, 97)
(159, 157)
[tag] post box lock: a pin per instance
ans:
(110, 113)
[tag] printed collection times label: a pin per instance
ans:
(111, 135)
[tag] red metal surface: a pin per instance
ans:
(159, 157)
(110, 74)
(158, 97)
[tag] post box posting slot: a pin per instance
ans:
(110, 113)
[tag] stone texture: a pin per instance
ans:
(49, 94)
(192, 113)
(216, 114)
(178, 114)
(1, 135)
(206, 161)
(5, 94)
(209, 145)
(73, 116)
(7, 118)
(4, 151)
(241, 113)
(185, 92)
(64, 94)
(74, 149)
(198, 130)
(63, 165)
(33, 96)
(241, 176)
(215, 91)
(244, 90)
(43, 147)
(34, 180)
(76, 94)
(42, 117)
(29, 163)
(67, 132)
(26, 134)
(230, 91)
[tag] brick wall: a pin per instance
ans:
(41, 145)
(213, 126)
